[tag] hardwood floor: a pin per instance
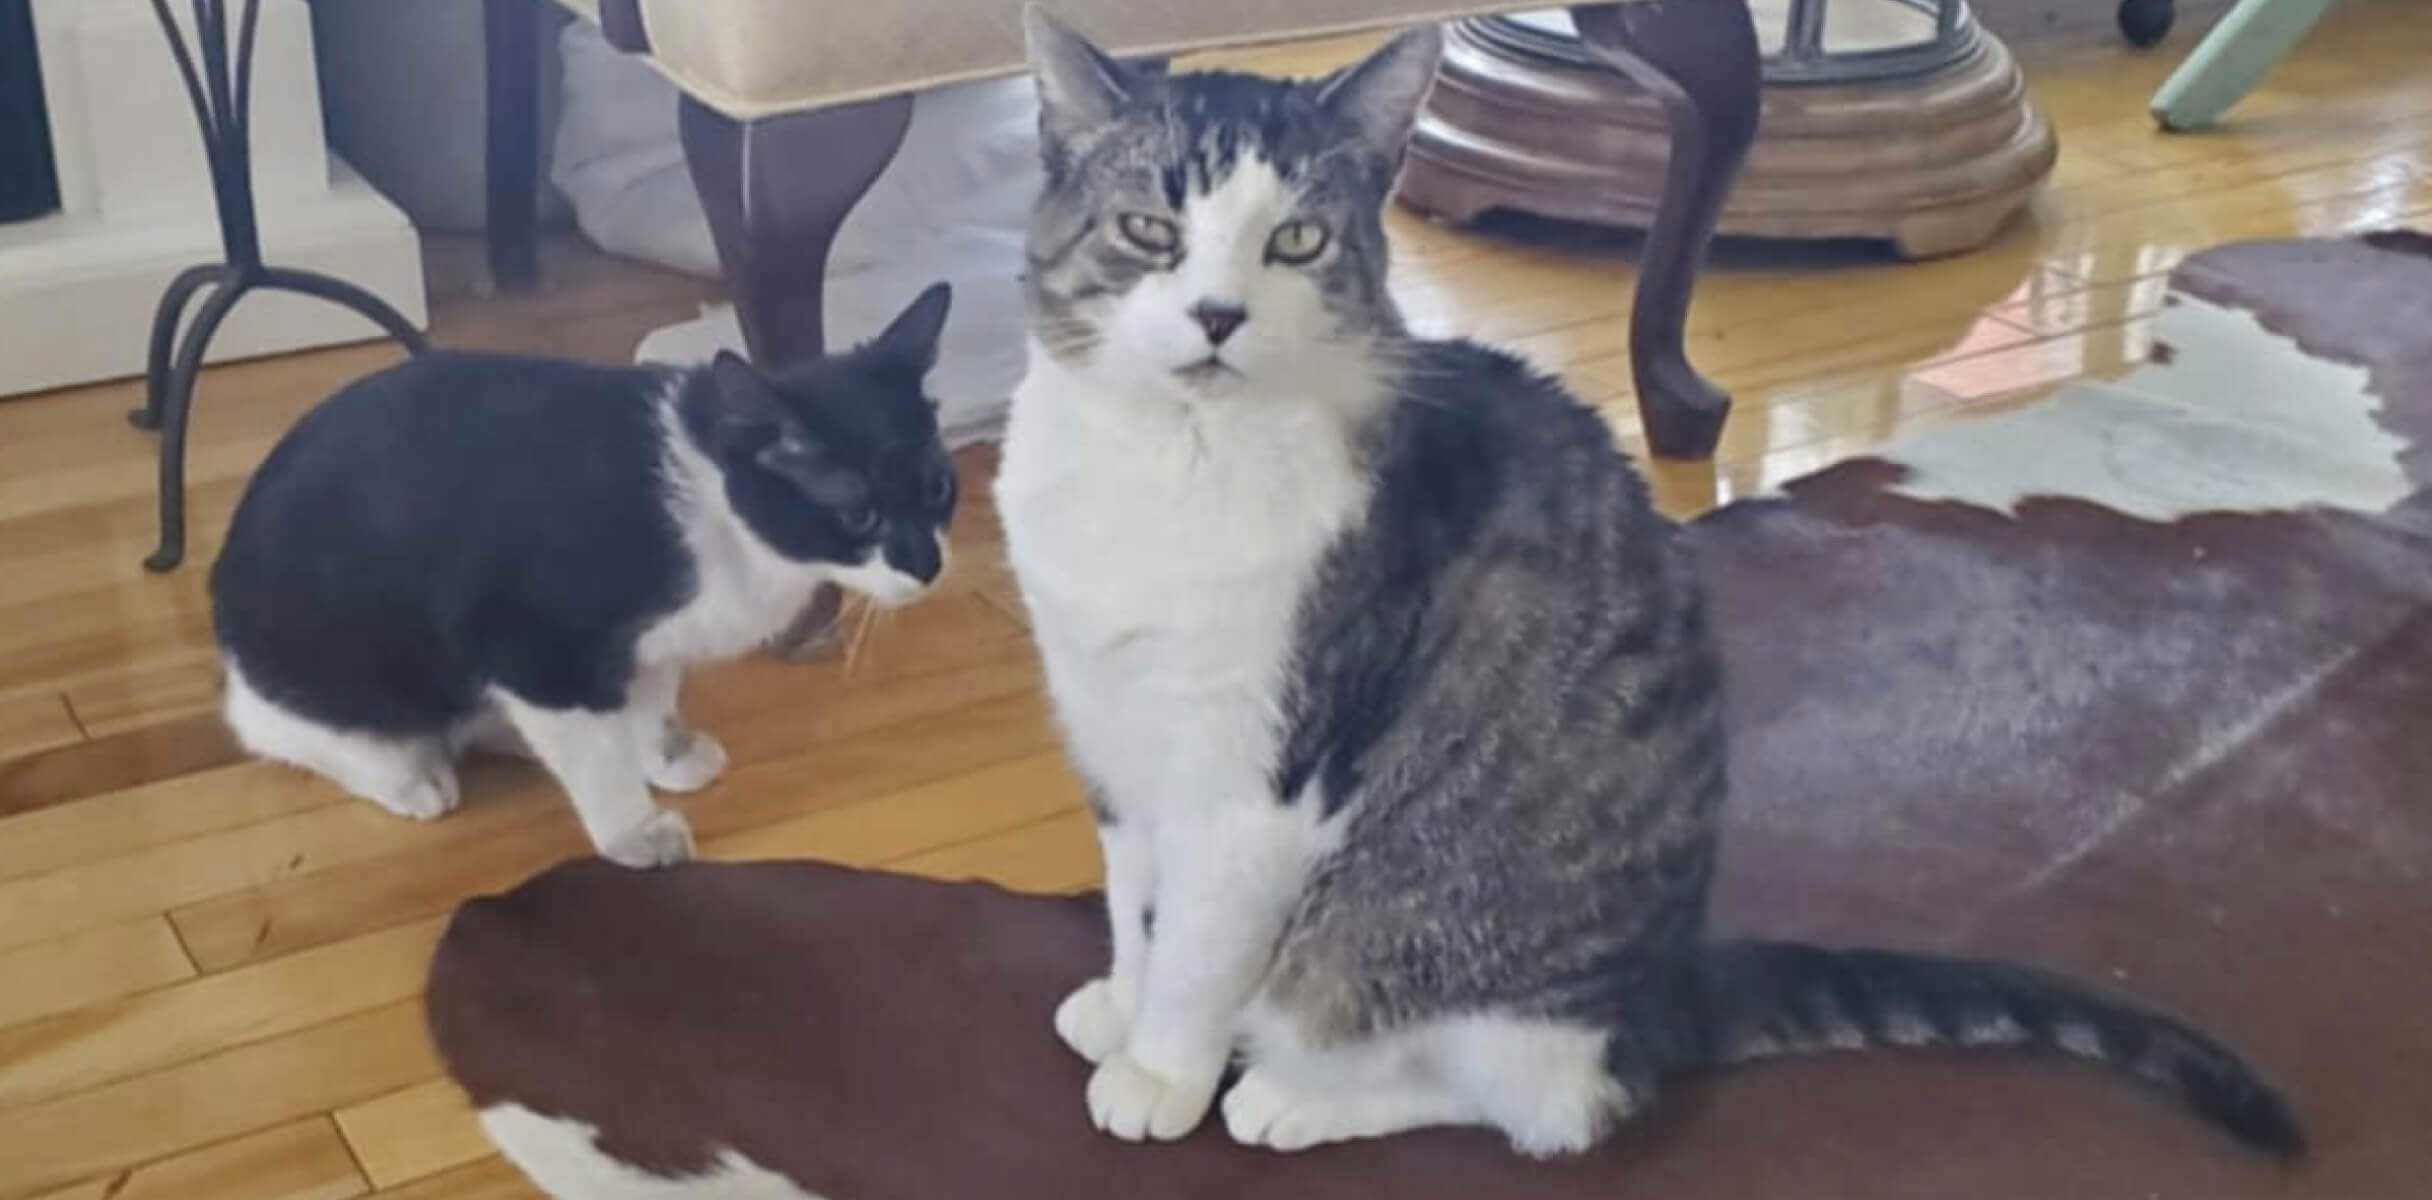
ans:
(209, 967)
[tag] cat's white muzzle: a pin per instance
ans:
(884, 585)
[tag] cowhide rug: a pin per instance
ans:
(2134, 682)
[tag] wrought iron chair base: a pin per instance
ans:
(221, 95)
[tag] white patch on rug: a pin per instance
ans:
(2237, 419)
(562, 1157)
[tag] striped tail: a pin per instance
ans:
(1751, 1000)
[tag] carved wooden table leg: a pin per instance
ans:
(776, 191)
(511, 42)
(1699, 59)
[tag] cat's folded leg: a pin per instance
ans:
(412, 777)
(599, 761)
(674, 757)
(1097, 1018)
(1227, 873)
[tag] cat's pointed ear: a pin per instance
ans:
(743, 406)
(1380, 94)
(911, 338)
(1080, 87)
(745, 397)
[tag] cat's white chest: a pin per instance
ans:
(1164, 563)
(745, 597)
(745, 593)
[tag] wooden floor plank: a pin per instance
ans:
(991, 800)
(90, 894)
(414, 1133)
(126, 700)
(489, 1179)
(224, 1095)
(1059, 854)
(29, 724)
(305, 909)
(302, 1160)
(108, 1042)
(122, 822)
(108, 764)
(94, 967)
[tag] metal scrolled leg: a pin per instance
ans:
(165, 322)
(177, 401)
(220, 93)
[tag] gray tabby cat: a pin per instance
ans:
(1395, 696)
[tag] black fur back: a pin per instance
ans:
(454, 521)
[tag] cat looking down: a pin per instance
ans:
(526, 554)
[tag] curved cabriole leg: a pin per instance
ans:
(165, 320)
(511, 46)
(1699, 59)
(776, 191)
(176, 400)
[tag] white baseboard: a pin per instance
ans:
(77, 292)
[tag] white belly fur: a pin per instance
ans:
(562, 1157)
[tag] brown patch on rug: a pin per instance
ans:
(2186, 760)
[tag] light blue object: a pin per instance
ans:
(2232, 59)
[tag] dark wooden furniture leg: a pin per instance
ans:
(221, 94)
(511, 49)
(1699, 59)
(776, 191)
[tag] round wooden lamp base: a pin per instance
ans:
(1934, 164)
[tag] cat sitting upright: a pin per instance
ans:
(526, 554)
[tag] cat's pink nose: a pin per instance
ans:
(1219, 320)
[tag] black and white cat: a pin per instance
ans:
(526, 554)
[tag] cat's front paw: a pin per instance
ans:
(1135, 1103)
(427, 797)
(662, 841)
(1260, 1112)
(687, 760)
(1094, 1021)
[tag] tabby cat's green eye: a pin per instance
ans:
(1155, 235)
(1296, 242)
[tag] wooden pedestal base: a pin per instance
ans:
(1934, 164)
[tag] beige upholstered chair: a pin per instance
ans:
(792, 107)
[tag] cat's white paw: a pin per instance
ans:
(1258, 1112)
(1094, 1021)
(663, 840)
(1261, 1112)
(427, 797)
(687, 761)
(1134, 1103)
